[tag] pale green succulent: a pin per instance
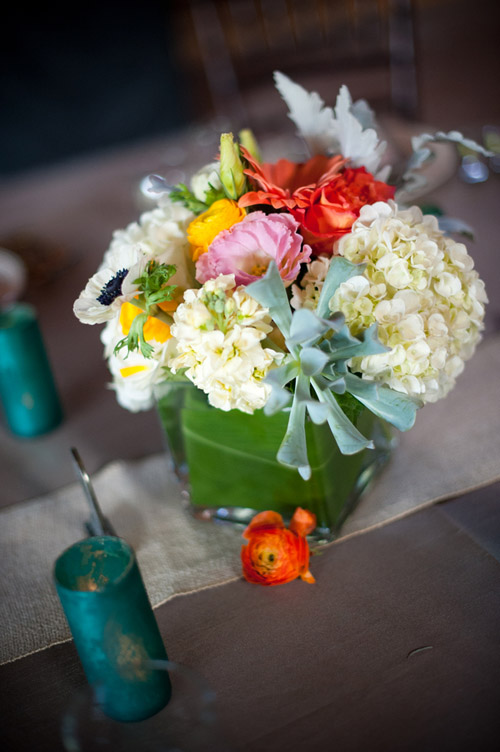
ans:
(319, 346)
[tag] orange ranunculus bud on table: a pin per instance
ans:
(274, 554)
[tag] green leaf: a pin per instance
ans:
(154, 290)
(171, 377)
(182, 195)
(246, 446)
(213, 195)
(135, 338)
(153, 285)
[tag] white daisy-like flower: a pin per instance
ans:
(420, 287)
(110, 286)
(219, 331)
(134, 379)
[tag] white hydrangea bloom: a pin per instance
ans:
(219, 330)
(161, 235)
(420, 287)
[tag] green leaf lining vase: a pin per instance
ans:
(227, 462)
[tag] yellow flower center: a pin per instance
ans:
(222, 215)
(268, 558)
(258, 270)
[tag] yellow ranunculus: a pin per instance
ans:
(220, 216)
(153, 328)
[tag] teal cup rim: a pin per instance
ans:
(62, 578)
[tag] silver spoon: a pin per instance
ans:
(97, 524)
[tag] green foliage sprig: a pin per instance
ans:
(183, 195)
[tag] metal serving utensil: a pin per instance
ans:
(98, 524)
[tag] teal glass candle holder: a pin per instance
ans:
(115, 631)
(27, 389)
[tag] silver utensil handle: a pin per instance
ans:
(97, 524)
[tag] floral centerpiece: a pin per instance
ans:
(306, 308)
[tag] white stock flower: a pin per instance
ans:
(218, 331)
(420, 287)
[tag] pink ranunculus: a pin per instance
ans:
(247, 249)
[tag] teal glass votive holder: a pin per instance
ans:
(115, 631)
(27, 390)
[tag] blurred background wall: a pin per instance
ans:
(88, 76)
(96, 75)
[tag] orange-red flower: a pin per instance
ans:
(275, 555)
(334, 207)
(324, 196)
(283, 183)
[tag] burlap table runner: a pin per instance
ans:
(454, 447)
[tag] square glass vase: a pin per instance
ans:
(226, 462)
